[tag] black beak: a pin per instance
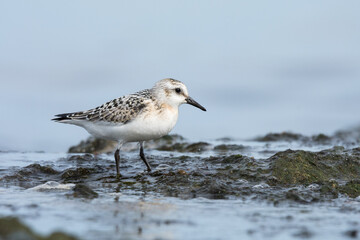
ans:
(191, 101)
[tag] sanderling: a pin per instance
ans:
(145, 115)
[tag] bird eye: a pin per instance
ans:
(177, 90)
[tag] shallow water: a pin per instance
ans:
(133, 208)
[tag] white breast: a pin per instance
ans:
(149, 125)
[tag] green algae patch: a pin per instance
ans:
(298, 167)
(12, 228)
(302, 167)
(351, 188)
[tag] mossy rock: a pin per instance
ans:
(93, 145)
(169, 139)
(229, 147)
(83, 191)
(12, 228)
(77, 173)
(298, 167)
(330, 189)
(197, 147)
(302, 167)
(185, 147)
(179, 147)
(37, 168)
(321, 138)
(351, 188)
(284, 136)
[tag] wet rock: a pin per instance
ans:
(349, 136)
(352, 233)
(175, 142)
(197, 147)
(351, 188)
(292, 175)
(302, 167)
(237, 158)
(179, 147)
(36, 169)
(214, 177)
(81, 158)
(298, 196)
(166, 140)
(77, 174)
(93, 145)
(29, 176)
(225, 139)
(319, 139)
(186, 147)
(172, 142)
(284, 136)
(330, 189)
(60, 236)
(229, 147)
(326, 168)
(303, 234)
(297, 167)
(322, 139)
(11, 228)
(215, 189)
(83, 191)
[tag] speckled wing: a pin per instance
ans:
(119, 110)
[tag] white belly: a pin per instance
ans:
(150, 125)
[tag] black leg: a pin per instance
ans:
(117, 160)
(143, 157)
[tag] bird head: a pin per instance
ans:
(174, 93)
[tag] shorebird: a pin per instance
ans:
(138, 117)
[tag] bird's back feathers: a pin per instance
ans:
(119, 110)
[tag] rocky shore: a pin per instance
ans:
(215, 171)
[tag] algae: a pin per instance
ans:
(351, 188)
(302, 167)
(13, 228)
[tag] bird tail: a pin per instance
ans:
(64, 117)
